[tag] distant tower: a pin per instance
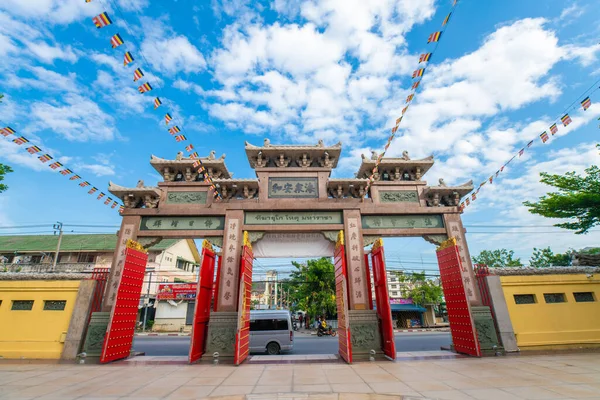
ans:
(271, 289)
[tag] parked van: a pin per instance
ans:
(271, 331)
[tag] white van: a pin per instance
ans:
(271, 331)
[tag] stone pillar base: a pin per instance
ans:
(486, 330)
(222, 327)
(94, 337)
(364, 333)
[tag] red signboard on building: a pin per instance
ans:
(176, 291)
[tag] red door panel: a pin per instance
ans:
(203, 298)
(370, 290)
(123, 316)
(384, 312)
(464, 335)
(341, 296)
(242, 337)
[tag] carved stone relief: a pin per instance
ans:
(331, 235)
(186, 197)
(255, 236)
(398, 196)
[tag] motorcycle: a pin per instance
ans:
(295, 325)
(326, 332)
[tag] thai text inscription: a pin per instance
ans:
(398, 196)
(182, 223)
(292, 218)
(286, 188)
(402, 221)
(186, 198)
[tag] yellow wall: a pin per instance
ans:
(36, 333)
(554, 324)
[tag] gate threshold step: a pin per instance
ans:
(293, 358)
(430, 354)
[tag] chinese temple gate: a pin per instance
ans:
(293, 193)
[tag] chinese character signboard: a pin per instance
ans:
(230, 266)
(176, 291)
(288, 188)
(355, 260)
(466, 269)
(182, 223)
(402, 221)
(117, 268)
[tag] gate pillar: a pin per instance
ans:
(129, 231)
(363, 322)
(224, 319)
(454, 228)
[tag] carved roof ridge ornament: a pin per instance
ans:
(113, 187)
(267, 145)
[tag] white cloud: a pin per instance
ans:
(47, 54)
(506, 201)
(330, 74)
(44, 79)
(77, 119)
(169, 52)
(97, 169)
(55, 11)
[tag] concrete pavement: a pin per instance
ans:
(565, 376)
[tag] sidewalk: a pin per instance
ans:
(570, 376)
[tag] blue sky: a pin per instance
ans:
(297, 72)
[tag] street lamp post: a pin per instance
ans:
(150, 271)
(57, 227)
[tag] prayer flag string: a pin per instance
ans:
(116, 40)
(418, 75)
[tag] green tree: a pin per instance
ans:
(422, 290)
(497, 258)
(312, 287)
(578, 199)
(4, 169)
(546, 258)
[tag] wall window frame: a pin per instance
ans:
(524, 298)
(22, 305)
(584, 297)
(555, 298)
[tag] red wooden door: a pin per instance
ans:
(370, 289)
(341, 297)
(123, 316)
(382, 299)
(203, 297)
(242, 337)
(464, 335)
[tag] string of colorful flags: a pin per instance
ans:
(116, 40)
(44, 157)
(544, 137)
(417, 75)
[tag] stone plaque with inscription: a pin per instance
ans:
(186, 197)
(292, 217)
(181, 223)
(402, 221)
(293, 188)
(398, 196)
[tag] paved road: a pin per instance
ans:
(303, 344)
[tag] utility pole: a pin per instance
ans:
(150, 270)
(57, 227)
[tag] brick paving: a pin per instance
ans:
(558, 376)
